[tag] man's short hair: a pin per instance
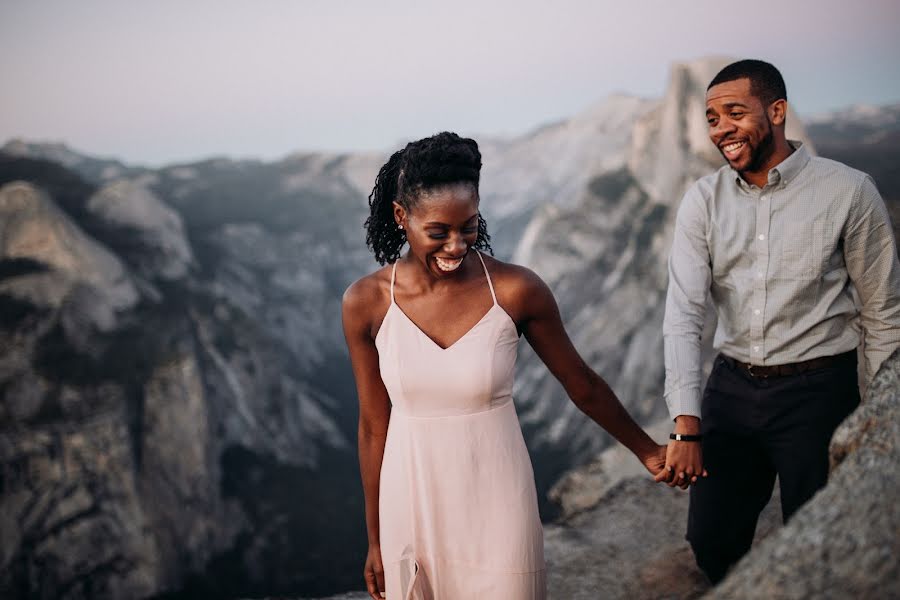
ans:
(766, 82)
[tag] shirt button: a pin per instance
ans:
(759, 273)
(756, 348)
(756, 311)
(762, 237)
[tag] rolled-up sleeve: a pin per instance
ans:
(870, 253)
(689, 280)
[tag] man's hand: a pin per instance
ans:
(684, 460)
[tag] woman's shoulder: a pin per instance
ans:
(514, 282)
(369, 291)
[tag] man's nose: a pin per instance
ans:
(721, 128)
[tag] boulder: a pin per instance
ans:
(845, 542)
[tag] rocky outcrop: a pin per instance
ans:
(59, 261)
(845, 542)
(148, 230)
(621, 535)
(149, 396)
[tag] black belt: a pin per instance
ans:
(763, 372)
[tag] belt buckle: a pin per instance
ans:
(755, 375)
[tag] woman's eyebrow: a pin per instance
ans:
(439, 224)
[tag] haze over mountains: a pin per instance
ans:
(178, 415)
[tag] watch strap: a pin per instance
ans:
(685, 437)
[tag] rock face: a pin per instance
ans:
(63, 260)
(845, 542)
(160, 248)
(171, 407)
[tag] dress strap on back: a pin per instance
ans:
(486, 274)
(393, 277)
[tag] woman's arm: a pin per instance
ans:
(539, 320)
(357, 310)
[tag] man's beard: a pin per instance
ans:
(763, 152)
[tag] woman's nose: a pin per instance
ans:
(455, 244)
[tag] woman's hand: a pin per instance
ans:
(374, 573)
(655, 461)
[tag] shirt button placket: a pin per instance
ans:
(758, 301)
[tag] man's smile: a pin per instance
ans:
(732, 149)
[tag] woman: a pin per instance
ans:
(451, 507)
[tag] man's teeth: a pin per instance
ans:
(448, 265)
(733, 146)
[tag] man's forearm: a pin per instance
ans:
(687, 424)
(682, 386)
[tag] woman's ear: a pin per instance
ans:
(399, 215)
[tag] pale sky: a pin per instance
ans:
(164, 81)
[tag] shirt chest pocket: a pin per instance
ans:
(806, 246)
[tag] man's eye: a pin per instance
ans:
(737, 115)
(470, 230)
(712, 121)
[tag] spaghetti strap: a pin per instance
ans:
(486, 274)
(393, 277)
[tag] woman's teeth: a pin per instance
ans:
(448, 265)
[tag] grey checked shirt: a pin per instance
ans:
(779, 263)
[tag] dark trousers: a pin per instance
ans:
(754, 429)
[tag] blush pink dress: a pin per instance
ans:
(457, 507)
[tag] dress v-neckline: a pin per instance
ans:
(431, 339)
(421, 331)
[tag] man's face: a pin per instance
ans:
(739, 125)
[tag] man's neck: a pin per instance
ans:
(760, 177)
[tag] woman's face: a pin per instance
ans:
(441, 226)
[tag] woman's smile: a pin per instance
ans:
(448, 264)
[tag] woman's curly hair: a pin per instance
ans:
(438, 160)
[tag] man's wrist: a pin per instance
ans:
(687, 424)
(685, 437)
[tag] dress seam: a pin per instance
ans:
(454, 416)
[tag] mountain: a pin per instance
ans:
(178, 416)
(91, 168)
(175, 386)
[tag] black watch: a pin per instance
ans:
(684, 437)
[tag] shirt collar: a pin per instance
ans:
(786, 170)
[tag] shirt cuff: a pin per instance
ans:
(684, 401)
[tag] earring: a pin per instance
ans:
(400, 226)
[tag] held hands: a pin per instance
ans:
(374, 573)
(655, 461)
(684, 460)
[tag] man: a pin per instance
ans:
(779, 239)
